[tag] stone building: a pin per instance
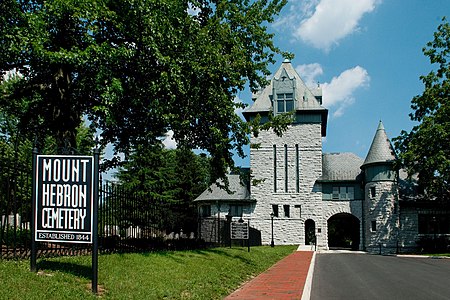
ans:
(306, 197)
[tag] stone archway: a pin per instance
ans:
(343, 232)
(310, 232)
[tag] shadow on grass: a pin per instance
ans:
(66, 267)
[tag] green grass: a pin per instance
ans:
(439, 254)
(200, 274)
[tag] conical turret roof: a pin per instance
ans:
(381, 150)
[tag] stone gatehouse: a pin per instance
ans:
(307, 197)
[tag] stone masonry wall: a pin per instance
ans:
(382, 208)
(304, 203)
(409, 222)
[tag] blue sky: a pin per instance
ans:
(367, 56)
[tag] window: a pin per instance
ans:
(287, 213)
(236, 210)
(299, 207)
(335, 192)
(285, 102)
(297, 169)
(275, 210)
(205, 211)
(286, 168)
(373, 226)
(343, 193)
(274, 168)
(350, 192)
(434, 224)
(372, 191)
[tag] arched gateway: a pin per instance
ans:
(343, 231)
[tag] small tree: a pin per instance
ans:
(171, 177)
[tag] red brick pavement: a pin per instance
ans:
(284, 280)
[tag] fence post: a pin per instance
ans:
(33, 215)
(95, 221)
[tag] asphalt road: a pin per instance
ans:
(365, 276)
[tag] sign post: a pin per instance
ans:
(240, 231)
(33, 256)
(95, 223)
(65, 203)
(64, 198)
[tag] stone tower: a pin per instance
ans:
(286, 167)
(381, 195)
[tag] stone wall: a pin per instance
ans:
(381, 208)
(305, 202)
(409, 228)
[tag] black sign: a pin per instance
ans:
(64, 197)
(239, 231)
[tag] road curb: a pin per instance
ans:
(421, 256)
(306, 295)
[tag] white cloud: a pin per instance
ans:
(298, 10)
(324, 23)
(169, 142)
(309, 73)
(339, 92)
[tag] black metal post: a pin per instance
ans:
(248, 238)
(199, 224)
(33, 256)
(95, 223)
(229, 220)
(218, 223)
(434, 221)
(272, 243)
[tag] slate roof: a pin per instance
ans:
(340, 167)
(381, 150)
(215, 193)
(305, 99)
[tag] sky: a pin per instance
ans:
(367, 57)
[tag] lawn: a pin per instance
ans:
(201, 274)
(439, 254)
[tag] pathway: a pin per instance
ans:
(284, 280)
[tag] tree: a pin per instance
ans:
(16, 157)
(425, 150)
(137, 69)
(173, 177)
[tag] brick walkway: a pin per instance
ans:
(284, 280)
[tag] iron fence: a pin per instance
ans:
(127, 221)
(15, 210)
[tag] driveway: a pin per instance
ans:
(365, 276)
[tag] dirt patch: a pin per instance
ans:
(100, 289)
